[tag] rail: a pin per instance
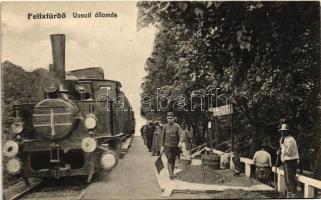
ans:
(309, 183)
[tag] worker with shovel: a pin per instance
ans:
(172, 139)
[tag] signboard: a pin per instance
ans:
(209, 125)
(222, 110)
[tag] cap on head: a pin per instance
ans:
(284, 127)
(170, 114)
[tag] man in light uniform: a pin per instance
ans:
(172, 139)
(290, 158)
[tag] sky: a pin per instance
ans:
(111, 43)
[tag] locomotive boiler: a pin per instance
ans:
(76, 130)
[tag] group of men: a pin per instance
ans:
(169, 139)
(151, 134)
(289, 154)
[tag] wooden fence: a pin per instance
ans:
(309, 183)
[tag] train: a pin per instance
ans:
(77, 128)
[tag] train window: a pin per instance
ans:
(105, 90)
(84, 90)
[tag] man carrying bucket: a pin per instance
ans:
(290, 158)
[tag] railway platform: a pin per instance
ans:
(135, 177)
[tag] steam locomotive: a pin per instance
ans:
(76, 130)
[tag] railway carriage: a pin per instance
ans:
(77, 129)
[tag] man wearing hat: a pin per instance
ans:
(262, 161)
(290, 158)
(172, 138)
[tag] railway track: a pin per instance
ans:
(71, 188)
(18, 189)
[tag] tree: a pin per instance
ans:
(19, 86)
(265, 55)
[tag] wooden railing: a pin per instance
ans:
(248, 163)
(309, 183)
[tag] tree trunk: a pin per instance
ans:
(317, 165)
(253, 144)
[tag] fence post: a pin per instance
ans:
(247, 169)
(232, 164)
(281, 183)
(308, 191)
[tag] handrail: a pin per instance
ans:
(309, 183)
(215, 151)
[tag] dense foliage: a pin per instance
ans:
(19, 86)
(264, 55)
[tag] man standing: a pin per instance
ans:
(172, 139)
(143, 133)
(188, 136)
(262, 161)
(149, 135)
(188, 140)
(156, 140)
(290, 159)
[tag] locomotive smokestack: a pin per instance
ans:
(58, 55)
